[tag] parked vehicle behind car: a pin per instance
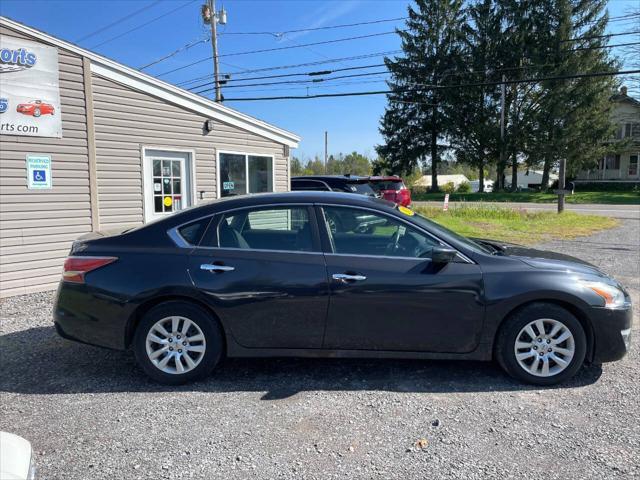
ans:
(270, 275)
(391, 188)
(333, 183)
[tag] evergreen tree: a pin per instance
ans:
(476, 133)
(417, 116)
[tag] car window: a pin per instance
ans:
(361, 188)
(281, 228)
(363, 232)
(192, 232)
(379, 185)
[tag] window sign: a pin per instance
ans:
(39, 171)
(29, 90)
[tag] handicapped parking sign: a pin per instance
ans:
(38, 171)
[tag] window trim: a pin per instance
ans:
(328, 241)
(637, 155)
(246, 169)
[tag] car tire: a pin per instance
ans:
(160, 344)
(558, 352)
(36, 112)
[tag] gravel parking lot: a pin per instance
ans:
(91, 414)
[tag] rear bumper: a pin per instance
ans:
(87, 317)
(612, 333)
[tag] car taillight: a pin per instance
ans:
(75, 268)
(403, 197)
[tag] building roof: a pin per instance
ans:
(138, 80)
(425, 180)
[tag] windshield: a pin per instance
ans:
(437, 228)
(361, 188)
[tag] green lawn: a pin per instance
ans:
(629, 198)
(514, 225)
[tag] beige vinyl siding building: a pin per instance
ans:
(133, 149)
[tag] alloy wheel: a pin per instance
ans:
(544, 347)
(175, 345)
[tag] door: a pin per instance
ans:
(264, 271)
(167, 181)
(386, 294)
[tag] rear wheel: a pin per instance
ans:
(178, 342)
(36, 112)
(542, 343)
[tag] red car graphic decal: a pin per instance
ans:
(35, 108)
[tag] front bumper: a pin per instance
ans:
(611, 333)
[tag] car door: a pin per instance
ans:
(263, 270)
(387, 294)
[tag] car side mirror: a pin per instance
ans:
(442, 255)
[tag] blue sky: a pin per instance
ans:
(352, 122)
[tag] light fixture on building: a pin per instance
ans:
(208, 125)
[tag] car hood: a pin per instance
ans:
(543, 259)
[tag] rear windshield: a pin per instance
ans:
(379, 185)
(361, 188)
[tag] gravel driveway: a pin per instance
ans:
(91, 414)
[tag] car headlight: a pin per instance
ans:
(613, 297)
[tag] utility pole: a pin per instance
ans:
(326, 151)
(561, 184)
(210, 16)
(501, 160)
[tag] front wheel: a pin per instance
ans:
(542, 344)
(36, 112)
(178, 342)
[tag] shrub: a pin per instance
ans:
(419, 190)
(448, 187)
(464, 187)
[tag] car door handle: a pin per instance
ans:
(216, 268)
(344, 277)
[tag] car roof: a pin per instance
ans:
(258, 199)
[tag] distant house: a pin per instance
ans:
(425, 180)
(529, 179)
(622, 167)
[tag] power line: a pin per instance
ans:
(264, 50)
(144, 24)
(175, 52)
(286, 75)
(120, 20)
(605, 35)
(285, 32)
(438, 87)
(289, 82)
(328, 72)
(286, 67)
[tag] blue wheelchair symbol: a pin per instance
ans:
(39, 176)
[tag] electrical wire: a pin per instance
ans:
(290, 82)
(144, 24)
(264, 50)
(285, 32)
(175, 52)
(438, 87)
(286, 67)
(120, 20)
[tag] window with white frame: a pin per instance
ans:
(244, 173)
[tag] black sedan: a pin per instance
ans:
(273, 275)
